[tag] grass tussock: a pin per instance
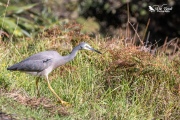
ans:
(145, 80)
(125, 82)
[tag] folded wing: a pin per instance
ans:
(31, 65)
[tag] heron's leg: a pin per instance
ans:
(52, 90)
(37, 88)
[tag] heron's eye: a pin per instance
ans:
(86, 46)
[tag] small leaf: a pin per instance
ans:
(17, 9)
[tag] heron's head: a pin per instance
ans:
(86, 46)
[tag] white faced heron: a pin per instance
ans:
(42, 63)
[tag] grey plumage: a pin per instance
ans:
(37, 62)
(42, 63)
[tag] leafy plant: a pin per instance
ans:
(12, 23)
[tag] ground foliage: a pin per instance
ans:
(125, 82)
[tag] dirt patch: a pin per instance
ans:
(35, 103)
(4, 116)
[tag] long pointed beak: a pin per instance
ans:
(95, 50)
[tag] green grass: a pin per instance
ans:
(95, 86)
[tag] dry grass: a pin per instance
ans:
(35, 103)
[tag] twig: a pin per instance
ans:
(147, 40)
(127, 30)
(134, 38)
(137, 34)
(164, 45)
(146, 29)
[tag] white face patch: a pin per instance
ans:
(87, 47)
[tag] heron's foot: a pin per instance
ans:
(64, 103)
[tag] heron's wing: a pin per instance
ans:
(31, 65)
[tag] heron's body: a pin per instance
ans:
(42, 63)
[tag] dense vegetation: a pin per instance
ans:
(128, 81)
(105, 16)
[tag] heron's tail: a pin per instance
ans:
(13, 67)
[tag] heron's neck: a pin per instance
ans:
(64, 59)
(72, 54)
